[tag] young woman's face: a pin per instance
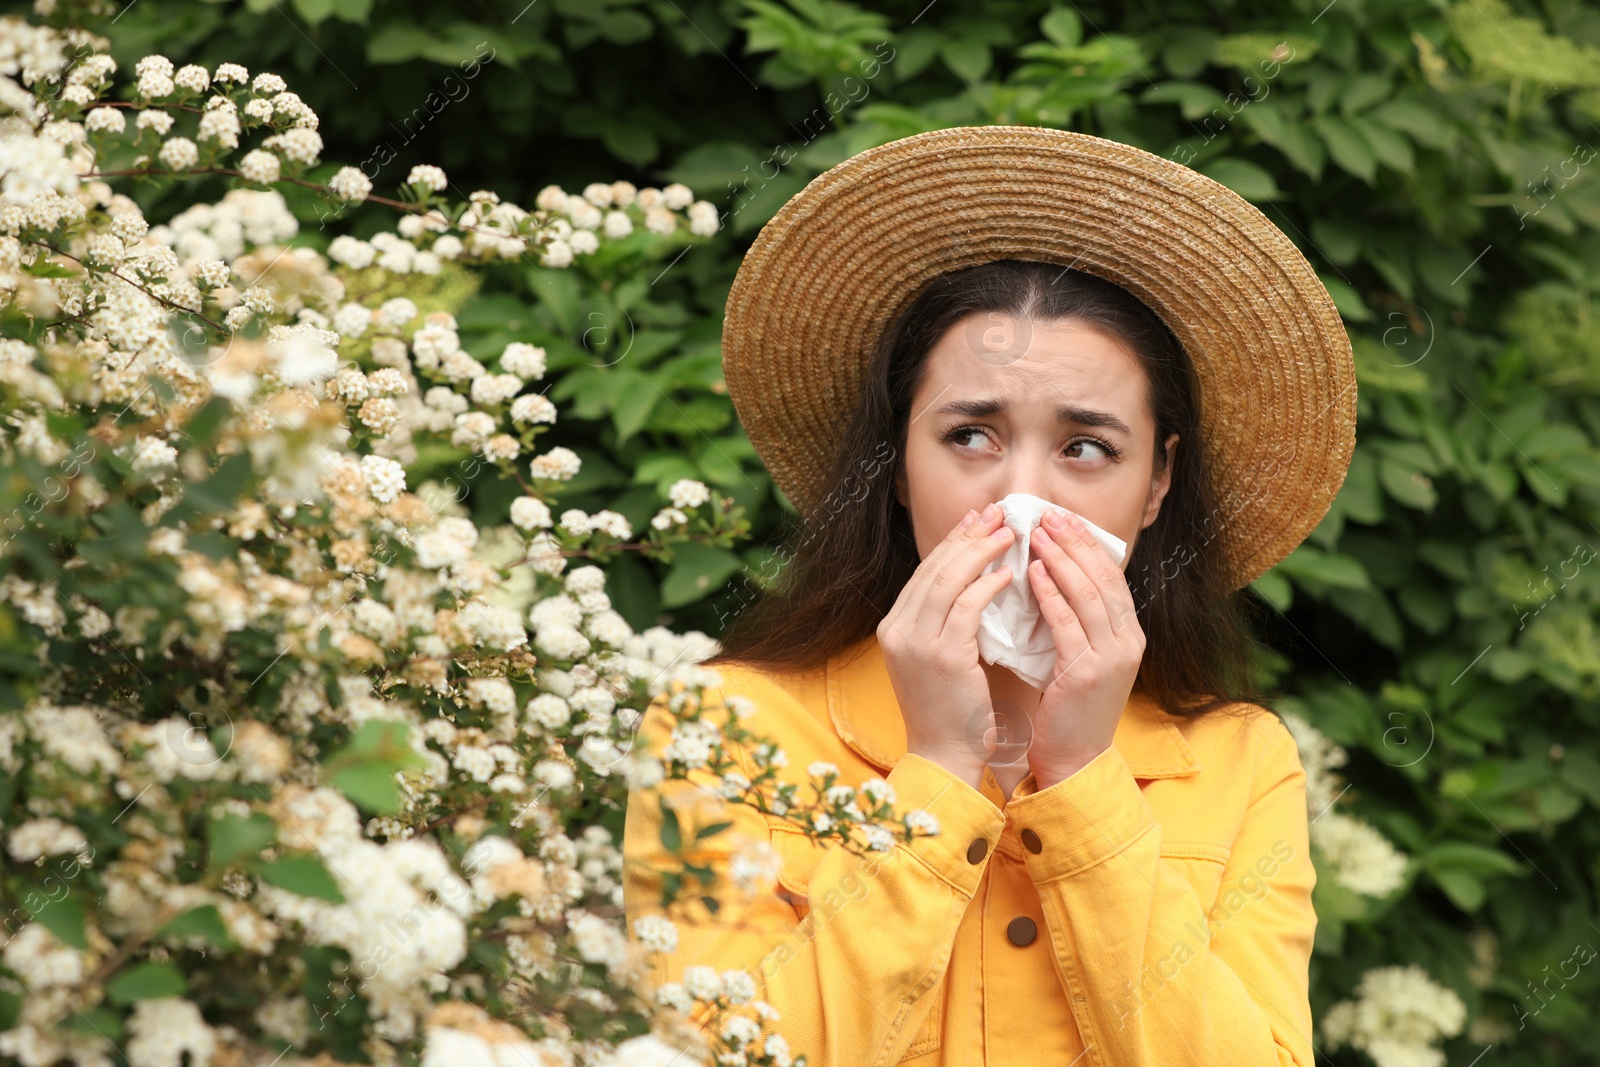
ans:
(1054, 408)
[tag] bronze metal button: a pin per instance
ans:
(1031, 840)
(1021, 931)
(977, 850)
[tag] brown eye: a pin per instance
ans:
(959, 432)
(1109, 450)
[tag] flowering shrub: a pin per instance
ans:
(1398, 1014)
(295, 762)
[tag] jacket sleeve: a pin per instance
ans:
(1151, 976)
(852, 982)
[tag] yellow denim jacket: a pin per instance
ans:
(1153, 908)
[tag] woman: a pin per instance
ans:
(1120, 873)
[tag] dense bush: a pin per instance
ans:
(1434, 639)
(300, 761)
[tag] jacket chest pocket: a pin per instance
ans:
(930, 1034)
(798, 856)
(1201, 864)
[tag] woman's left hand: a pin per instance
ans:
(1085, 600)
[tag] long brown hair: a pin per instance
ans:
(847, 567)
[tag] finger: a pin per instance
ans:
(1078, 587)
(968, 608)
(1066, 632)
(1108, 575)
(960, 564)
(909, 603)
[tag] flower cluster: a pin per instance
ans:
(1398, 1015)
(300, 760)
(1355, 854)
(708, 738)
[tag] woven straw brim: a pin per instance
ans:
(840, 260)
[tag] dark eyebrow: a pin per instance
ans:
(979, 409)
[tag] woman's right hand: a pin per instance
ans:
(930, 647)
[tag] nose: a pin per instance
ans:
(1031, 468)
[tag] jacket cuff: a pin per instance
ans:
(965, 815)
(1082, 820)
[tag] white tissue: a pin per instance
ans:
(1012, 632)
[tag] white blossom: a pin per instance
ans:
(688, 493)
(350, 183)
(427, 177)
(259, 166)
(1398, 1015)
(179, 153)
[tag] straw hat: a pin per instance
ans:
(848, 252)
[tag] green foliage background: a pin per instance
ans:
(1432, 160)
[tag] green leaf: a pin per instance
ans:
(1249, 51)
(65, 919)
(690, 417)
(1364, 90)
(1339, 241)
(711, 830)
(625, 27)
(671, 834)
(218, 492)
(1338, 902)
(1186, 54)
(1275, 590)
(232, 837)
(631, 142)
(1346, 299)
(397, 42)
(718, 466)
(1390, 365)
(1419, 120)
(1250, 181)
(1468, 856)
(1390, 148)
(1406, 484)
(1581, 772)
(364, 769)
(558, 294)
(715, 165)
(146, 981)
(1427, 607)
(372, 786)
(302, 874)
(1193, 98)
(1346, 147)
(968, 59)
(1062, 26)
(1358, 496)
(1371, 608)
(1556, 803)
(314, 11)
(1443, 269)
(662, 469)
(43, 268)
(634, 401)
(1309, 563)
(1271, 121)
(99, 1021)
(204, 921)
(1465, 890)
(697, 570)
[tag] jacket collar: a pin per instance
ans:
(862, 704)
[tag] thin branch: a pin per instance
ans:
(415, 209)
(153, 296)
